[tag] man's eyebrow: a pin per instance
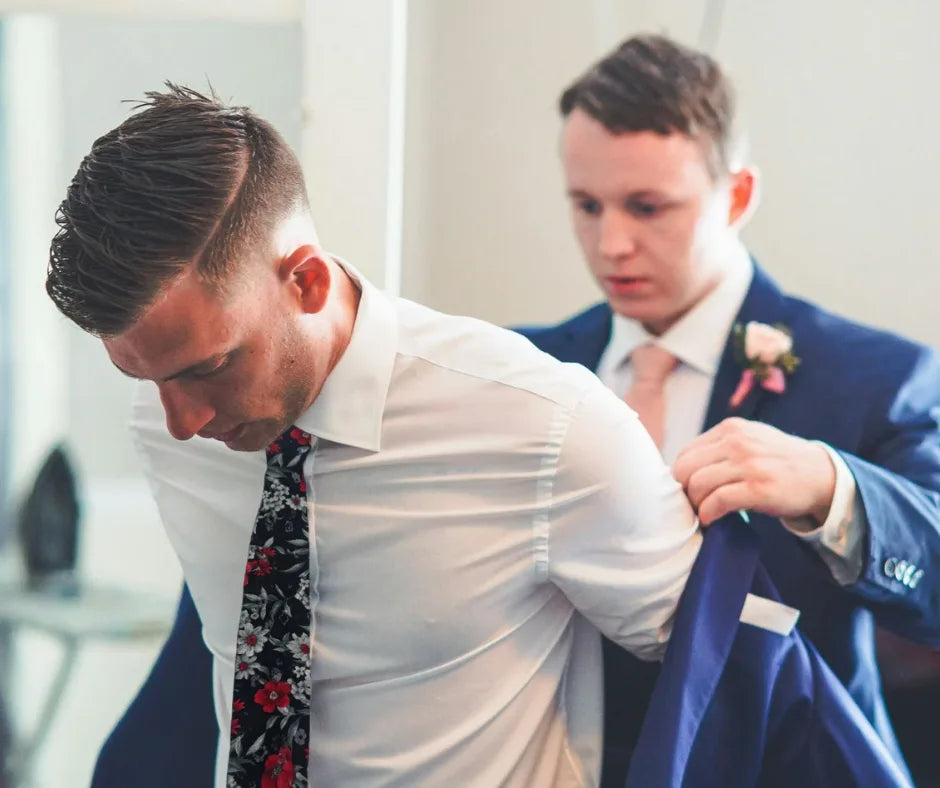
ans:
(631, 195)
(191, 369)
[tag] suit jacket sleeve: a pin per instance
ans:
(899, 487)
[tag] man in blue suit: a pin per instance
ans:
(836, 457)
(824, 430)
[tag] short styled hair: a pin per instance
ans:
(651, 83)
(184, 181)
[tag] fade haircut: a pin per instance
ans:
(184, 181)
(651, 83)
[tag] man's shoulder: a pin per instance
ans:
(844, 343)
(476, 350)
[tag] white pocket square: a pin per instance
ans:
(768, 614)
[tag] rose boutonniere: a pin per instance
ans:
(766, 353)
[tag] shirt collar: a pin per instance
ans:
(351, 404)
(698, 338)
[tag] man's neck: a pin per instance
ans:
(731, 260)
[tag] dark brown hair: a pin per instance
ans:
(651, 83)
(185, 180)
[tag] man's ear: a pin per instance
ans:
(306, 271)
(745, 196)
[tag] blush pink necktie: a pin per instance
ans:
(651, 366)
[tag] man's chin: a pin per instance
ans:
(642, 312)
(655, 317)
(253, 437)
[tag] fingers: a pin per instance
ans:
(708, 479)
(695, 457)
(724, 500)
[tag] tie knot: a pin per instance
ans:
(651, 364)
(290, 445)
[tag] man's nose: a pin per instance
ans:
(185, 414)
(618, 234)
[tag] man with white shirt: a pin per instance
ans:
(824, 431)
(409, 604)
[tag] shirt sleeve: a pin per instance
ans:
(621, 536)
(840, 540)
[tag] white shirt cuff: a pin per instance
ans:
(840, 539)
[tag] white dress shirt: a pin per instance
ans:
(473, 505)
(698, 340)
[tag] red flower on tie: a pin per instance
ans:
(237, 705)
(301, 437)
(278, 770)
(273, 695)
(260, 567)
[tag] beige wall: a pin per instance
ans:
(485, 226)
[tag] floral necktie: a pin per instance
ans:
(271, 697)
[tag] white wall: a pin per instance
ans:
(485, 223)
(31, 160)
(840, 97)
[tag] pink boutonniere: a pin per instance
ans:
(766, 353)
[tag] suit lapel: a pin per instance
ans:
(764, 303)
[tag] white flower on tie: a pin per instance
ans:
(274, 497)
(245, 666)
(295, 502)
(299, 646)
(303, 591)
(251, 640)
(300, 688)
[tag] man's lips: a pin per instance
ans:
(625, 285)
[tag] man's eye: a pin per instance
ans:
(590, 207)
(214, 371)
(644, 209)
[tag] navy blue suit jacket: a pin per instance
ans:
(736, 705)
(872, 396)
